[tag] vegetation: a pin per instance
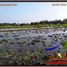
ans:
(40, 24)
(12, 57)
(65, 44)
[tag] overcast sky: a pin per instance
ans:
(26, 12)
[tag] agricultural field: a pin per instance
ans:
(33, 34)
(31, 46)
(39, 26)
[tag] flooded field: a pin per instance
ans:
(27, 47)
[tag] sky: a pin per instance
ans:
(27, 12)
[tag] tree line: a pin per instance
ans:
(36, 23)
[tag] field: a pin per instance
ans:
(27, 47)
(33, 26)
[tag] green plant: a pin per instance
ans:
(26, 58)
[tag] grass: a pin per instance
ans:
(65, 44)
(26, 27)
(33, 26)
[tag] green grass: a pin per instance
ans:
(34, 26)
(65, 44)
